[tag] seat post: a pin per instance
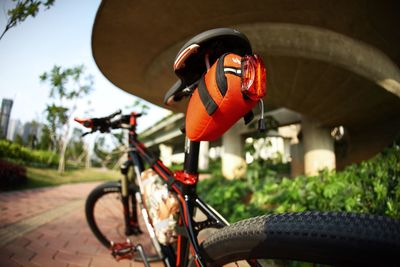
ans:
(191, 162)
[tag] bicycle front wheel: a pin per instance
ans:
(320, 237)
(105, 216)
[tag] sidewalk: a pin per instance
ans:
(47, 227)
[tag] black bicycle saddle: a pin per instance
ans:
(189, 64)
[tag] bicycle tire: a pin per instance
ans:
(95, 196)
(320, 237)
(106, 189)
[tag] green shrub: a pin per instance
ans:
(230, 197)
(176, 167)
(372, 187)
(11, 175)
(21, 154)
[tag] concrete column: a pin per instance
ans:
(286, 149)
(319, 150)
(297, 162)
(166, 154)
(203, 156)
(233, 162)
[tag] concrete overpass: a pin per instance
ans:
(335, 62)
(166, 138)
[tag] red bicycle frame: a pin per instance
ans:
(183, 184)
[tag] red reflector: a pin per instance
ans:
(254, 77)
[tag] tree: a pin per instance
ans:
(109, 154)
(45, 142)
(23, 10)
(139, 106)
(67, 86)
(19, 140)
(32, 137)
(57, 117)
(76, 150)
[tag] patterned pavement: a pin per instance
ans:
(47, 227)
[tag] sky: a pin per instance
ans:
(60, 36)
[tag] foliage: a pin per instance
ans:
(49, 177)
(107, 156)
(59, 79)
(32, 136)
(67, 85)
(139, 106)
(45, 142)
(372, 187)
(215, 167)
(56, 117)
(19, 140)
(27, 156)
(75, 150)
(100, 151)
(176, 167)
(40, 177)
(270, 170)
(22, 10)
(230, 197)
(264, 166)
(11, 175)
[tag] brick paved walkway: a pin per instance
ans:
(47, 227)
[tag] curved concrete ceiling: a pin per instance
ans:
(336, 61)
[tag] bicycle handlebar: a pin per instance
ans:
(112, 115)
(105, 124)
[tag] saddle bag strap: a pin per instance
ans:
(206, 98)
(222, 85)
(220, 75)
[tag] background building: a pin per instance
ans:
(6, 106)
(15, 128)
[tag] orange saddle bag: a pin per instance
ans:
(218, 102)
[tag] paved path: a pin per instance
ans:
(47, 227)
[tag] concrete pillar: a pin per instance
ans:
(233, 162)
(297, 159)
(203, 156)
(319, 150)
(166, 154)
(286, 149)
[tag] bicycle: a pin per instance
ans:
(320, 237)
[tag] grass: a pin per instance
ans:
(38, 177)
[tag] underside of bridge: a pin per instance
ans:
(334, 62)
